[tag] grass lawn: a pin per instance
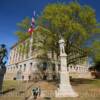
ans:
(9, 84)
(17, 90)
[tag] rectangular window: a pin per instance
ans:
(20, 66)
(24, 67)
(31, 64)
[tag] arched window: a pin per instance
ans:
(44, 65)
(71, 67)
(31, 64)
(20, 66)
(59, 67)
(17, 67)
(24, 67)
(53, 67)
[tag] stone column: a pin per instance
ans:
(24, 55)
(27, 47)
(10, 59)
(30, 47)
(17, 54)
(65, 88)
(14, 55)
(21, 54)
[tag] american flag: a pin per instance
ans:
(31, 29)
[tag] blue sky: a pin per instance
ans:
(13, 11)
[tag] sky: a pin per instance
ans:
(14, 11)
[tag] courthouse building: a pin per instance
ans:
(23, 65)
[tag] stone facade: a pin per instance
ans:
(24, 65)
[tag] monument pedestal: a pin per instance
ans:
(65, 88)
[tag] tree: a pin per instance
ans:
(95, 50)
(23, 27)
(42, 41)
(72, 21)
(23, 35)
(95, 54)
(3, 55)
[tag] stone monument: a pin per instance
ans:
(65, 88)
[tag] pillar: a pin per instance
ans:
(65, 88)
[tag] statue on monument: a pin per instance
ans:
(65, 89)
(3, 56)
(62, 45)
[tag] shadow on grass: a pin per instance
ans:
(9, 90)
(47, 98)
(77, 81)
